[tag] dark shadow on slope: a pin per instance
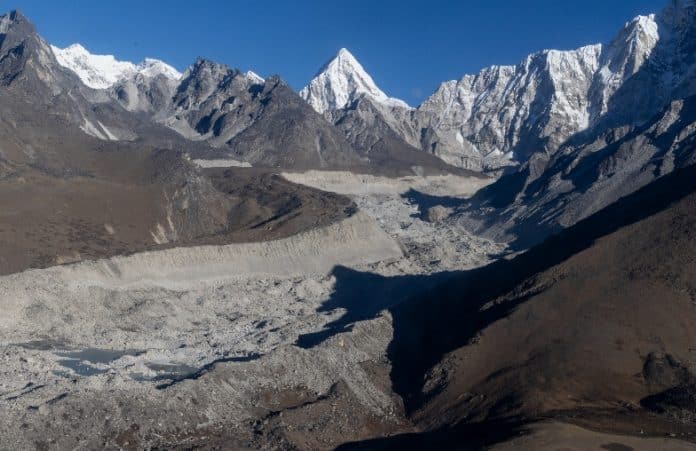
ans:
(426, 201)
(444, 311)
(501, 193)
(363, 296)
(583, 173)
(630, 106)
(462, 437)
(678, 402)
(449, 317)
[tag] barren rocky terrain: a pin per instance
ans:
(211, 260)
(278, 344)
(132, 331)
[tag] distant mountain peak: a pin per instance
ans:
(17, 21)
(340, 82)
(103, 71)
(342, 57)
(14, 16)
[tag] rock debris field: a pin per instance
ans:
(129, 332)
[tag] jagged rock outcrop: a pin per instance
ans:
(639, 139)
(550, 193)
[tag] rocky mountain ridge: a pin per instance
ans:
(497, 118)
(505, 114)
(103, 71)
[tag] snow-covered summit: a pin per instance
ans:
(103, 71)
(341, 81)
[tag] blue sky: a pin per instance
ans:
(408, 46)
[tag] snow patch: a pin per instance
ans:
(99, 131)
(254, 77)
(110, 136)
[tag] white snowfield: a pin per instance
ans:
(341, 81)
(103, 71)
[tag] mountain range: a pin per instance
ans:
(211, 259)
(496, 119)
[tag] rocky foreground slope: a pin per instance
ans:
(591, 327)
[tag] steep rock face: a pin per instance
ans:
(209, 102)
(260, 121)
(25, 58)
(537, 105)
(142, 93)
(377, 133)
(287, 132)
(621, 59)
(667, 73)
(513, 110)
(483, 120)
(238, 115)
(31, 75)
(241, 115)
(550, 193)
(639, 139)
(340, 82)
(381, 129)
(505, 114)
(32, 78)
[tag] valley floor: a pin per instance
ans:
(216, 337)
(273, 345)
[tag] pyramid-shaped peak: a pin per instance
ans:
(340, 82)
(345, 54)
(342, 60)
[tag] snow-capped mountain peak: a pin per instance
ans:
(103, 71)
(341, 81)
